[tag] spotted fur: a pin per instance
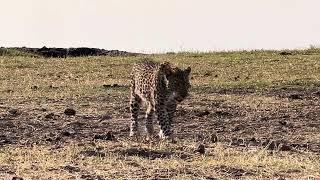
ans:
(160, 87)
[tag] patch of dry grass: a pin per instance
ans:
(127, 160)
(73, 77)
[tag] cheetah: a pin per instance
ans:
(159, 87)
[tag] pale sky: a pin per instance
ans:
(161, 25)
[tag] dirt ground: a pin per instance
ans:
(289, 116)
(279, 120)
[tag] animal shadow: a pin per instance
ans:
(150, 154)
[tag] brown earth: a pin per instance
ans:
(292, 120)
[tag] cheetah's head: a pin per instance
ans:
(178, 81)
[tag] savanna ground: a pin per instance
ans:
(256, 113)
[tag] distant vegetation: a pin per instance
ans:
(61, 52)
(86, 51)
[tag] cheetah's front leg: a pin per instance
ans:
(134, 109)
(165, 125)
(150, 114)
(171, 109)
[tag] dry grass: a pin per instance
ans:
(127, 160)
(85, 76)
(236, 79)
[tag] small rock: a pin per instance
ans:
(106, 85)
(295, 96)
(252, 142)
(214, 138)
(43, 109)
(284, 147)
(69, 112)
(199, 137)
(34, 87)
(15, 112)
(49, 139)
(9, 91)
(201, 149)
(108, 137)
(110, 85)
(106, 117)
(285, 53)
(16, 178)
(71, 169)
(253, 139)
(222, 113)
(204, 113)
(49, 116)
(237, 128)
(66, 133)
(283, 123)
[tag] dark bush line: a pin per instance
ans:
(65, 52)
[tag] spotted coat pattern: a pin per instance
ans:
(159, 87)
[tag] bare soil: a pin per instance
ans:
(289, 121)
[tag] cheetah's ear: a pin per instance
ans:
(187, 71)
(167, 68)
